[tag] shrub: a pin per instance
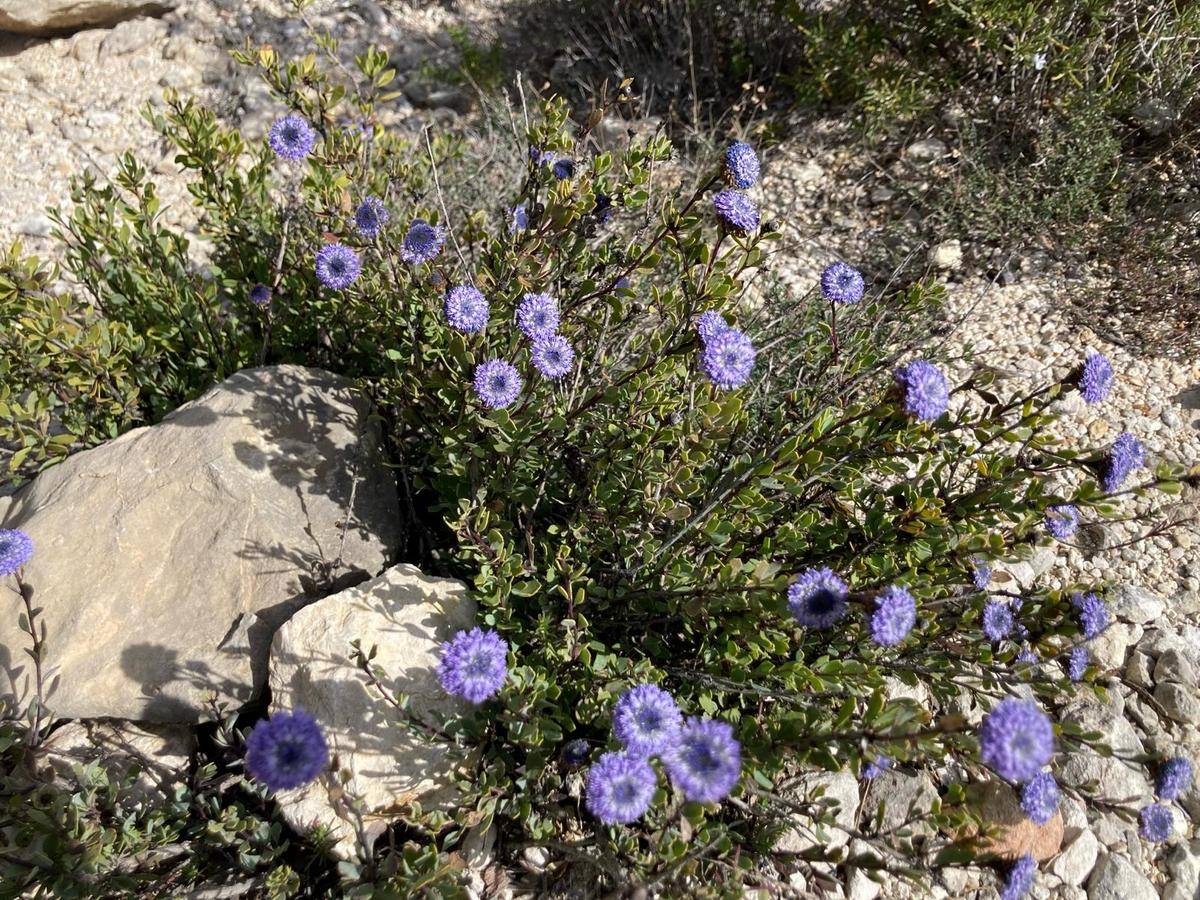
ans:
(664, 510)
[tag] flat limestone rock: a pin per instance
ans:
(406, 615)
(165, 559)
(54, 16)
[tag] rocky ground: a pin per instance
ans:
(72, 102)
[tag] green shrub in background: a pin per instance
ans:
(631, 522)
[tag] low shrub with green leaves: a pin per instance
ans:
(653, 465)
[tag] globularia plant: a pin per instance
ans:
(711, 526)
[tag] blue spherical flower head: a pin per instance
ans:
(646, 720)
(286, 751)
(1039, 798)
(422, 243)
(736, 211)
(620, 788)
(1020, 878)
(519, 218)
(1093, 614)
(817, 598)
(706, 761)
(575, 753)
(497, 383)
(541, 157)
(603, 208)
(537, 316)
(982, 576)
(474, 665)
(1174, 778)
(728, 359)
(292, 138)
(1125, 456)
(894, 617)
(841, 283)
(563, 169)
(1095, 378)
(553, 356)
(741, 165)
(370, 217)
(466, 308)
(16, 549)
(926, 392)
(997, 620)
(1016, 740)
(877, 767)
(338, 266)
(1027, 656)
(710, 324)
(1157, 822)
(1062, 520)
(260, 295)
(1077, 663)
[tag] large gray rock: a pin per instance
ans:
(1115, 878)
(166, 559)
(405, 615)
(834, 796)
(53, 16)
(1112, 779)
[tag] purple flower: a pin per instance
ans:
(292, 138)
(537, 316)
(1095, 378)
(1093, 614)
(706, 761)
(817, 598)
(1125, 456)
(520, 219)
(564, 169)
(894, 616)
(1027, 656)
(646, 720)
(997, 620)
(982, 576)
(553, 356)
(1157, 822)
(1062, 520)
(736, 211)
(728, 359)
(1039, 798)
(710, 324)
(621, 284)
(575, 753)
(603, 208)
(926, 393)
(1020, 878)
(497, 383)
(541, 157)
(1016, 740)
(841, 283)
(620, 788)
(877, 767)
(286, 751)
(1077, 663)
(422, 243)
(16, 549)
(338, 266)
(466, 308)
(370, 217)
(260, 295)
(474, 665)
(1174, 778)
(741, 165)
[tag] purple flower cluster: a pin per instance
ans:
(553, 356)
(982, 576)
(620, 787)
(1095, 378)
(736, 211)
(537, 316)
(741, 165)
(841, 283)
(877, 767)
(926, 392)
(260, 295)
(646, 720)
(728, 359)
(519, 220)
(1040, 798)
(894, 616)
(338, 266)
(497, 382)
(1062, 520)
(474, 665)
(1157, 822)
(1077, 663)
(292, 138)
(1020, 878)
(997, 620)
(466, 308)
(422, 242)
(817, 598)
(286, 751)
(1093, 614)
(1016, 740)
(706, 761)
(541, 158)
(370, 217)
(710, 324)
(1125, 457)
(563, 169)
(16, 549)
(1174, 778)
